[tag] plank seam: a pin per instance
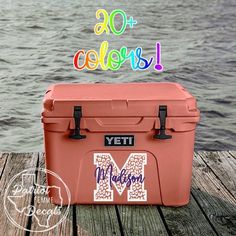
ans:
(119, 221)
(231, 154)
(5, 163)
(29, 221)
(74, 221)
(217, 176)
(163, 220)
(204, 213)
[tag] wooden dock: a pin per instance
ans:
(211, 211)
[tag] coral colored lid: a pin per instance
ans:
(119, 100)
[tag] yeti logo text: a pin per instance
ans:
(119, 140)
(131, 175)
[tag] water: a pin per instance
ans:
(39, 38)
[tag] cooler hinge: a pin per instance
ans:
(162, 131)
(77, 117)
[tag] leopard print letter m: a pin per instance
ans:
(131, 175)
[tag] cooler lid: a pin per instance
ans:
(119, 100)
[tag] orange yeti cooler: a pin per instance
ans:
(120, 143)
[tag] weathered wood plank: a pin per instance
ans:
(3, 159)
(224, 167)
(141, 220)
(65, 227)
(187, 220)
(96, 220)
(214, 199)
(16, 162)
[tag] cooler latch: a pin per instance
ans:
(162, 131)
(77, 117)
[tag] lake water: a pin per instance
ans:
(39, 38)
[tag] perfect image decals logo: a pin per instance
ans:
(114, 59)
(131, 176)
